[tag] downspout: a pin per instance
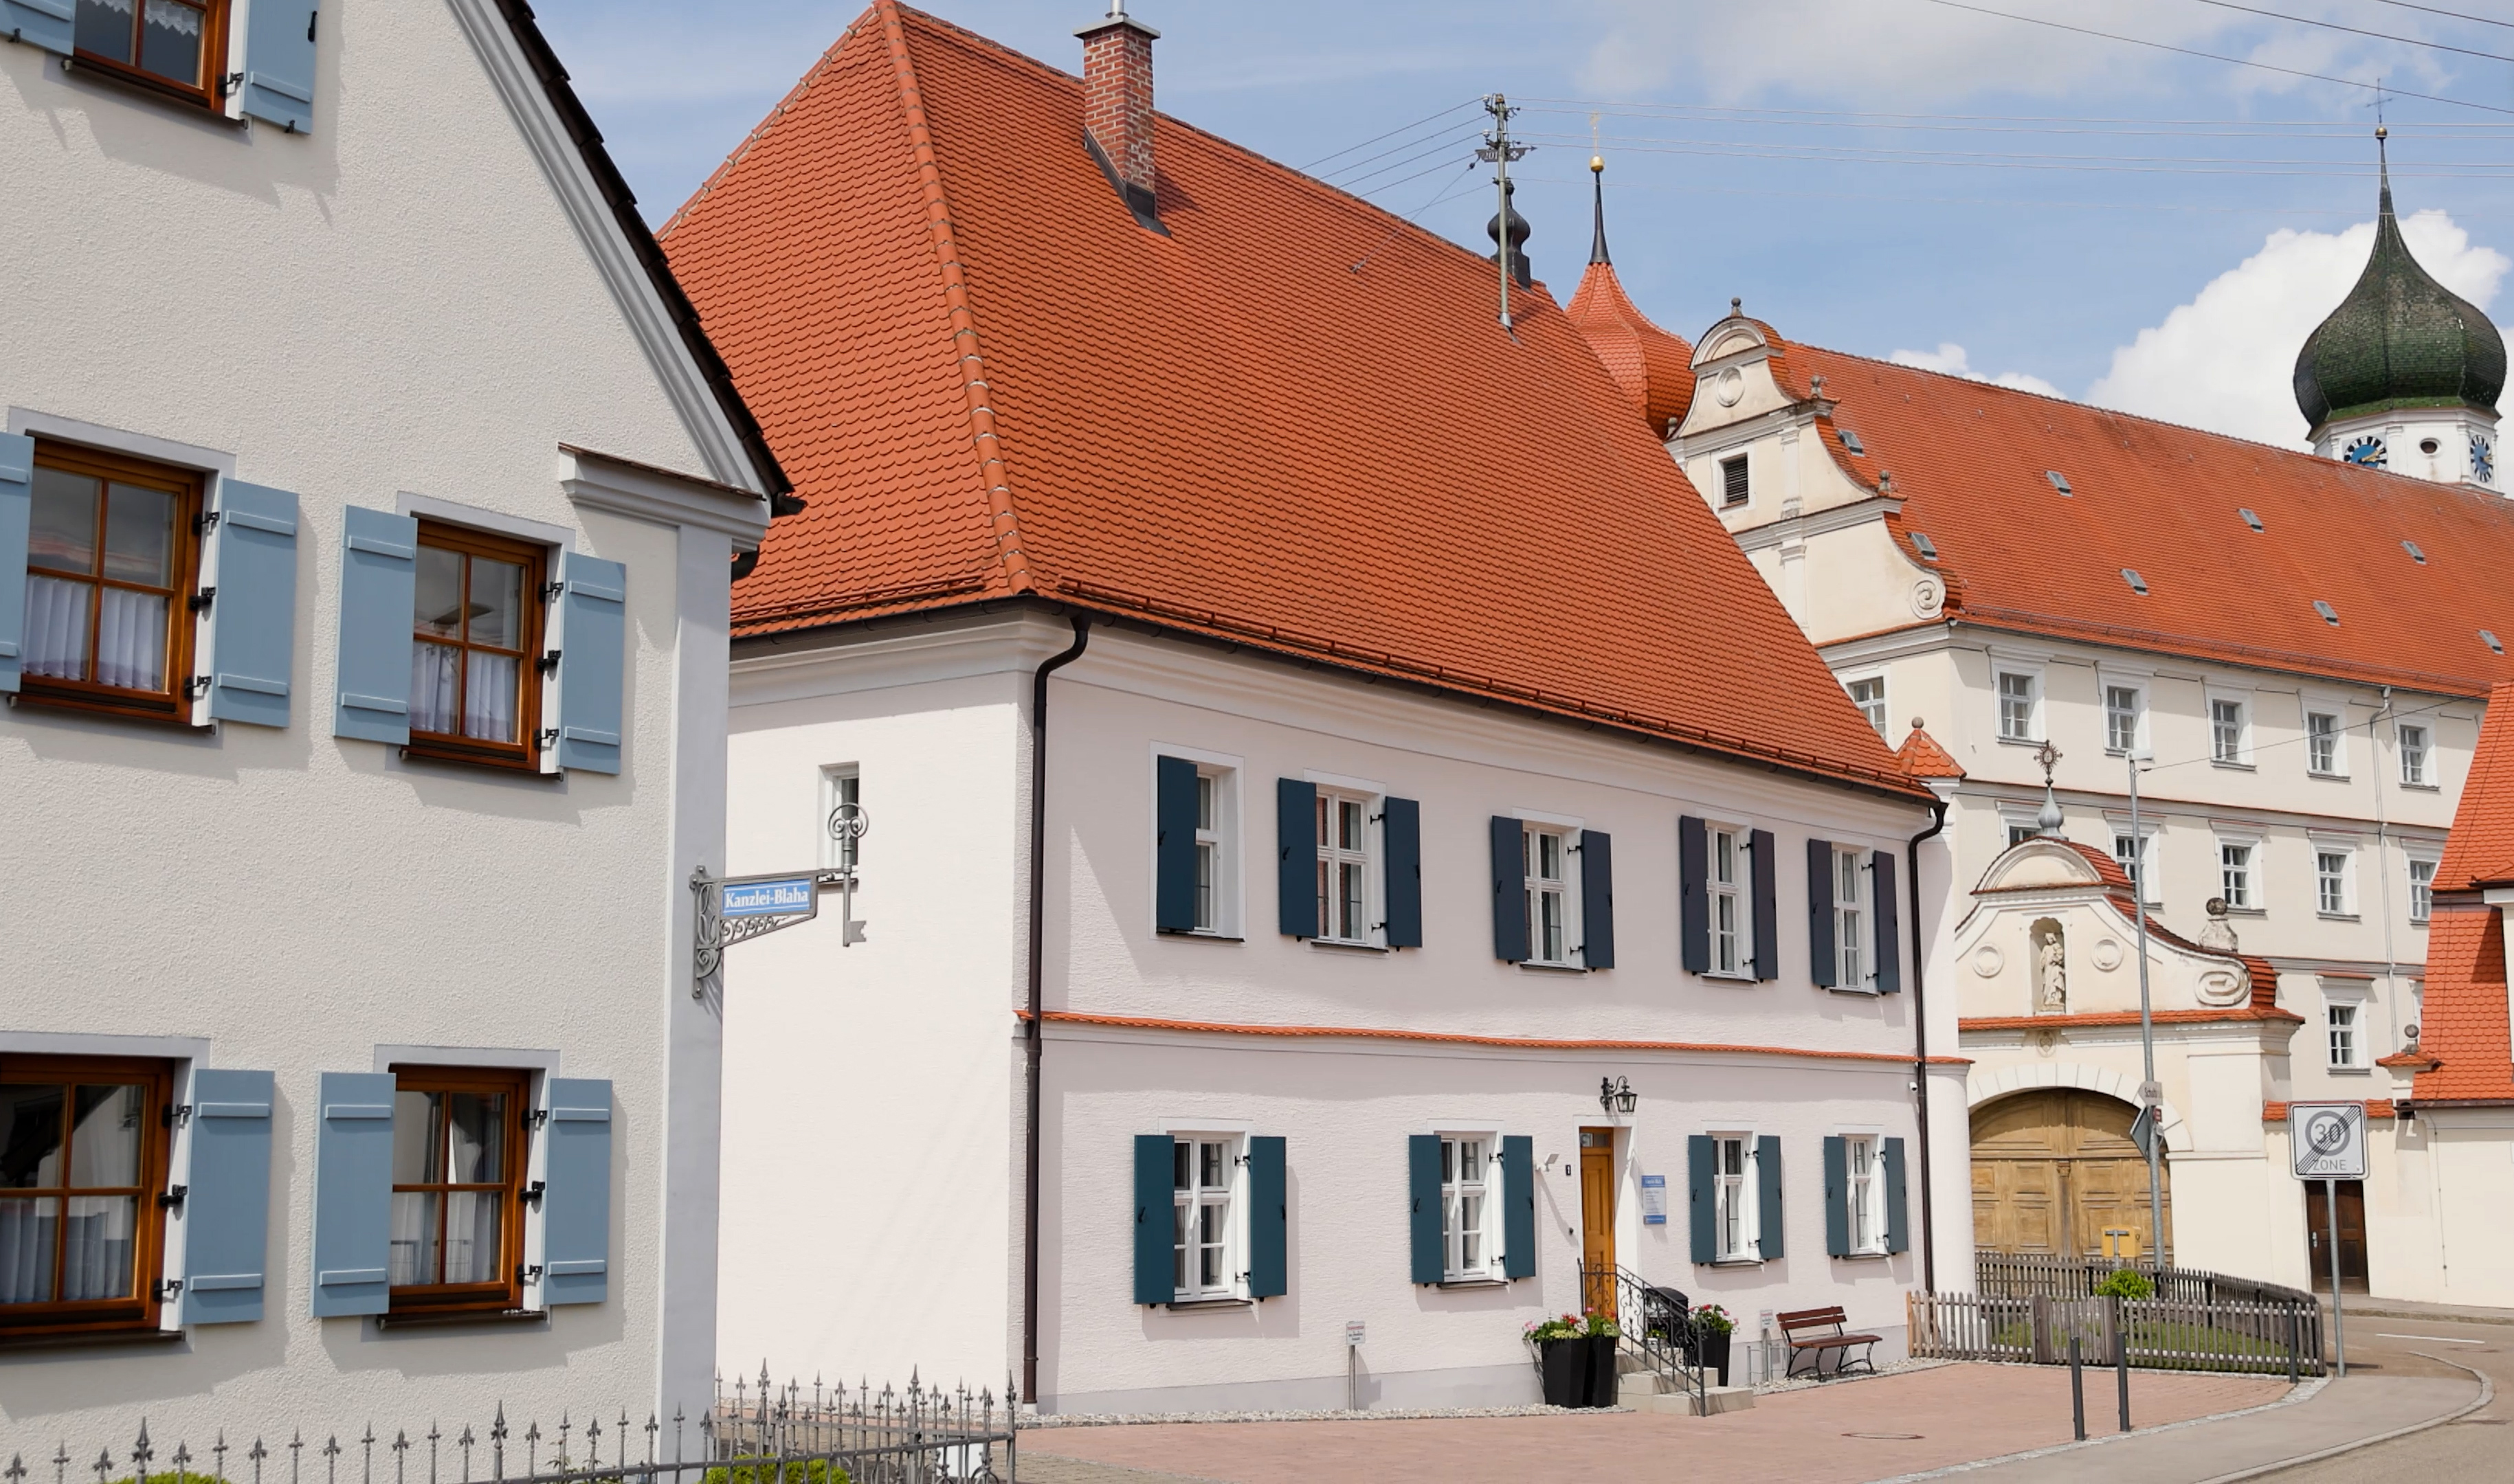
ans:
(1921, 1051)
(1031, 1029)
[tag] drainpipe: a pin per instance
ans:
(1921, 1050)
(1033, 1031)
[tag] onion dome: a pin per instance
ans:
(1655, 369)
(2399, 339)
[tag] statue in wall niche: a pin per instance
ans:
(2051, 967)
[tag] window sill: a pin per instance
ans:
(2350, 1072)
(2422, 787)
(170, 720)
(2224, 762)
(1336, 946)
(1198, 933)
(1533, 966)
(2327, 778)
(464, 757)
(175, 100)
(83, 1339)
(2020, 742)
(1737, 1262)
(1470, 1285)
(420, 1318)
(1862, 990)
(2236, 911)
(1209, 1304)
(1861, 1257)
(2339, 916)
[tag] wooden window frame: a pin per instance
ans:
(141, 1311)
(524, 754)
(506, 1293)
(174, 703)
(210, 93)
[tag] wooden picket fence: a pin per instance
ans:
(2155, 1334)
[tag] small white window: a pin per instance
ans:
(1470, 1195)
(841, 788)
(2229, 732)
(2019, 834)
(2139, 865)
(1545, 855)
(1732, 1197)
(1732, 934)
(1868, 693)
(2235, 874)
(2346, 1043)
(1204, 1238)
(2019, 710)
(2330, 882)
(1344, 868)
(2123, 708)
(2322, 744)
(1217, 859)
(2422, 875)
(2414, 756)
(1850, 918)
(1733, 489)
(1863, 1197)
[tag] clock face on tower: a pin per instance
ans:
(2368, 451)
(2482, 461)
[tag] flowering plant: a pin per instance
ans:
(1599, 1326)
(1566, 1327)
(1715, 1320)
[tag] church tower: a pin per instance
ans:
(2404, 374)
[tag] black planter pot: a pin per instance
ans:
(1601, 1370)
(1565, 1367)
(1715, 1352)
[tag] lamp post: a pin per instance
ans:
(2149, 1093)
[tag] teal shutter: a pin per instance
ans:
(1402, 831)
(1837, 1195)
(576, 1193)
(1173, 845)
(594, 661)
(1296, 858)
(1597, 900)
(253, 619)
(1767, 906)
(1898, 1231)
(1509, 892)
(1767, 1196)
(41, 24)
(1693, 894)
(1423, 1220)
(1518, 1206)
(379, 598)
(226, 1198)
(1824, 966)
(1154, 1280)
(353, 1146)
(1889, 935)
(1701, 1165)
(280, 64)
(1269, 1218)
(17, 512)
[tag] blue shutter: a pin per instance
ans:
(353, 1146)
(1890, 933)
(1269, 1218)
(1767, 1196)
(226, 1198)
(1402, 835)
(576, 1195)
(1837, 1195)
(1823, 965)
(253, 619)
(1767, 906)
(43, 23)
(1597, 900)
(379, 597)
(1296, 858)
(1693, 894)
(1701, 1165)
(1518, 1206)
(1899, 1232)
(280, 64)
(594, 661)
(17, 511)
(1509, 892)
(1173, 845)
(1423, 1218)
(1154, 1280)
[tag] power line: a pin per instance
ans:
(1437, 146)
(2333, 25)
(2095, 165)
(1854, 154)
(1693, 187)
(1645, 107)
(2351, 133)
(2452, 14)
(1436, 141)
(1390, 135)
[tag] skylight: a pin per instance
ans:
(2249, 519)
(2137, 584)
(2491, 640)
(2330, 614)
(1922, 543)
(2059, 481)
(2416, 555)
(1851, 441)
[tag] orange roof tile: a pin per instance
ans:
(1293, 421)
(1923, 758)
(1655, 369)
(2464, 1022)
(2375, 1107)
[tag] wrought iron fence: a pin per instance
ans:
(756, 1433)
(1657, 1325)
(2019, 1275)
(2156, 1334)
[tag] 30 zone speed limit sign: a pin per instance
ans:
(2328, 1140)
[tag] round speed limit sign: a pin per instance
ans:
(2327, 1139)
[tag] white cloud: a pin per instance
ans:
(2225, 361)
(1950, 358)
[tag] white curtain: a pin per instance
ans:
(95, 1260)
(432, 687)
(26, 1251)
(56, 629)
(130, 640)
(414, 1237)
(489, 697)
(182, 20)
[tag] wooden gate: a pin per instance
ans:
(2054, 1169)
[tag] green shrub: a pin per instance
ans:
(770, 1471)
(2126, 1283)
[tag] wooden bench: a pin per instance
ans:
(1811, 1332)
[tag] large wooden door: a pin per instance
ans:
(2054, 1171)
(2352, 1235)
(1597, 1217)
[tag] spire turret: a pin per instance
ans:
(1598, 210)
(1655, 369)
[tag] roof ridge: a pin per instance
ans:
(1003, 517)
(758, 131)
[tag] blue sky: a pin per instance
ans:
(1878, 176)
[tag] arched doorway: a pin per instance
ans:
(2053, 1170)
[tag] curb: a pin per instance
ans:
(2302, 1392)
(2487, 1394)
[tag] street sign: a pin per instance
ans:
(2142, 1130)
(774, 898)
(1653, 1200)
(1354, 1331)
(2328, 1140)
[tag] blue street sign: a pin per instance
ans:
(768, 898)
(1653, 1200)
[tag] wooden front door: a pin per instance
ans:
(2054, 1171)
(2352, 1235)
(1597, 1217)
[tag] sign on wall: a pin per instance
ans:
(1653, 1200)
(764, 899)
(2328, 1140)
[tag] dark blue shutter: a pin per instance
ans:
(1899, 1232)
(1597, 900)
(1701, 1168)
(1837, 1195)
(1401, 837)
(43, 23)
(1174, 845)
(1693, 894)
(1154, 1183)
(1890, 933)
(226, 1198)
(1823, 964)
(1767, 906)
(1509, 892)
(280, 64)
(576, 1200)
(1423, 1218)
(1767, 1195)
(1296, 858)
(17, 511)
(253, 619)
(1518, 1206)
(353, 1146)
(1269, 1218)
(379, 599)
(594, 661)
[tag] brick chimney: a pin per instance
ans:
(1117, 102)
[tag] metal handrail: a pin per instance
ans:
(1669, 1334)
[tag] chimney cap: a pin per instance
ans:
(1116, 17)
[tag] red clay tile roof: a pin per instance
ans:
(1922, 757)
(1970, 460)
(1655, 369)
(2375, 1107)
(2480, 851)
(2464, 1022)
(1294, 421)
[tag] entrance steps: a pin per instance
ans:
(1644, 1389)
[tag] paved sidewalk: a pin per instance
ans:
(2358, 1305)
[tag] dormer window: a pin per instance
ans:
(174, 45)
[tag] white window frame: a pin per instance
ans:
(2326, 753)
(2115, 744)
(2254, 887)
(1734, 1196)
(1370, 931)
(2343, 1030)
(1212, 857)
(1487, 1192)
(2241, 754)
(1854, 919)
(1878, 710)
(1745, 466)
(1731, 901)
(2031, 715)
(2016, 828)
(2418, 764)
(1223, 893)
(840, 783)
(1198, 1197)
(2148, 833)
(1563, 890)
(2329, 886)
(1863, 1195)
(2423, 888)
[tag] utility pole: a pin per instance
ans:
(2150, 1095)
(1500, 152)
